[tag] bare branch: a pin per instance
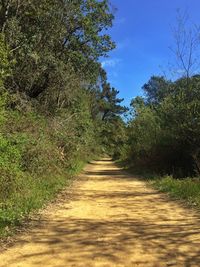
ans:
(186, 45)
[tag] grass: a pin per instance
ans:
(33, 196)
(187, 189)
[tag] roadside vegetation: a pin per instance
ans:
(187, 189)
(162, 135)
(57, 109)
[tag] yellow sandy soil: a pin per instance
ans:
(111, 219)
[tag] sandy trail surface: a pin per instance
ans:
(110, 219)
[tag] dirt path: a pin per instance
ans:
(112, 219)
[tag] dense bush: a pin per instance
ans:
(164, 131)
(32, 165)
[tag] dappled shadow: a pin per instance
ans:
(113, 220)
(105, 160)
(102, 161)
(109, 173)
(88, 240)
(112, 173)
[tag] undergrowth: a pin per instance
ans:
(34, 166)
(187, 189)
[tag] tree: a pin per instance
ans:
(186, 48)
(73, 43)
(156, 89)
(109, 103)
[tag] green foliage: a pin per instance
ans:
(164, 132)
(114, 137)
(33, 166)
(187, 189)
(50, 110)
(156, 89)
(108, 102)
(4, 63)
(53, 40)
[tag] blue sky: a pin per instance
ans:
(143, 34)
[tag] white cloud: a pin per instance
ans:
(110, 62)
(180, 71)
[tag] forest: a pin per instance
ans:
(59, 111)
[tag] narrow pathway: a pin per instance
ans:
(111, 219)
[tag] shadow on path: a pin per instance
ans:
(111, 220)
